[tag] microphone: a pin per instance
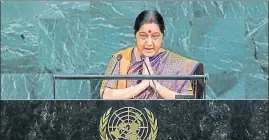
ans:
(143, 59)
(119, 57)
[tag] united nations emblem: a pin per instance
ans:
(128, 123)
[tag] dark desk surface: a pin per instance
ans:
(177, 119)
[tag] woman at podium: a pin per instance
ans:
(149, 30)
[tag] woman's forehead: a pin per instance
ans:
(149, 27)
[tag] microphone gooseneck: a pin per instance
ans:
(142, 56)
(143, 59)
(119, 57)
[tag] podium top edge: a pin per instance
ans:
(103, 76)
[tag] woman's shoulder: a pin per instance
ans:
(126, 53)
(178, 57)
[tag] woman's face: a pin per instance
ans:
(149, 39)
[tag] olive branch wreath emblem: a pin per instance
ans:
(104, 121)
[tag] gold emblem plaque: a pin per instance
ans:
(128, 123)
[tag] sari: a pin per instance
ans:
(164, 63)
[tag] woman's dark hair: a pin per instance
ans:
(145, 16)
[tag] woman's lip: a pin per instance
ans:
(146, 50)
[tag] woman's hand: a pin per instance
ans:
(150, 69)
(151, 84)
(145, 72)
(149, 66)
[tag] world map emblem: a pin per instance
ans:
(128, 123)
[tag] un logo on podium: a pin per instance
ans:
(128, 123)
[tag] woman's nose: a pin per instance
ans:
(150, 41)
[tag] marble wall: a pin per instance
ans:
(41, 38)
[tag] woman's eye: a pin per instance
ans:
(143, 36)
(155, 36)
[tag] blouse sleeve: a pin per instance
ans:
(111, 83)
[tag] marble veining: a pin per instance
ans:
(41, 38)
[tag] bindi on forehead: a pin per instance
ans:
(149, 31)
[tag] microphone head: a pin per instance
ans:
(142, 56)
(119, 57)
